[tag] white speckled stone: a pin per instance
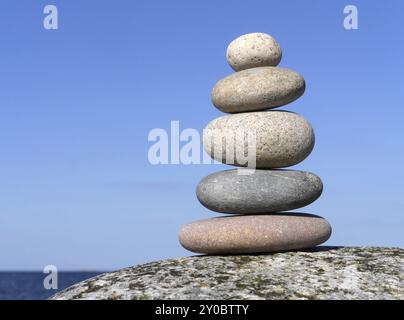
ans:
(255, 233)
(282, 138)
(253, 50)
(257, 89)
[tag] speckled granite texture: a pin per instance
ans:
(323, 273)
(280, 138)
(253, 50)
(257, 89)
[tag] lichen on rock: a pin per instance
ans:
(320, 273)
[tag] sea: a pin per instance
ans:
(30, 285)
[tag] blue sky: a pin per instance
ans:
(77, 104)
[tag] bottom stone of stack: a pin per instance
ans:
(255, 233)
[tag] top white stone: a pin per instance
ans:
(253, 50)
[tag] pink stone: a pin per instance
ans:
(255, 233)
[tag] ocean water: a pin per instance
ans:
(29, 285)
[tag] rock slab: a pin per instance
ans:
(325, 273)
(262, 191)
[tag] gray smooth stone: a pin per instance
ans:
(257, 89)
(255, 233)
(263, 191)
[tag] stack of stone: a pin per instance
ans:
(282, 139)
